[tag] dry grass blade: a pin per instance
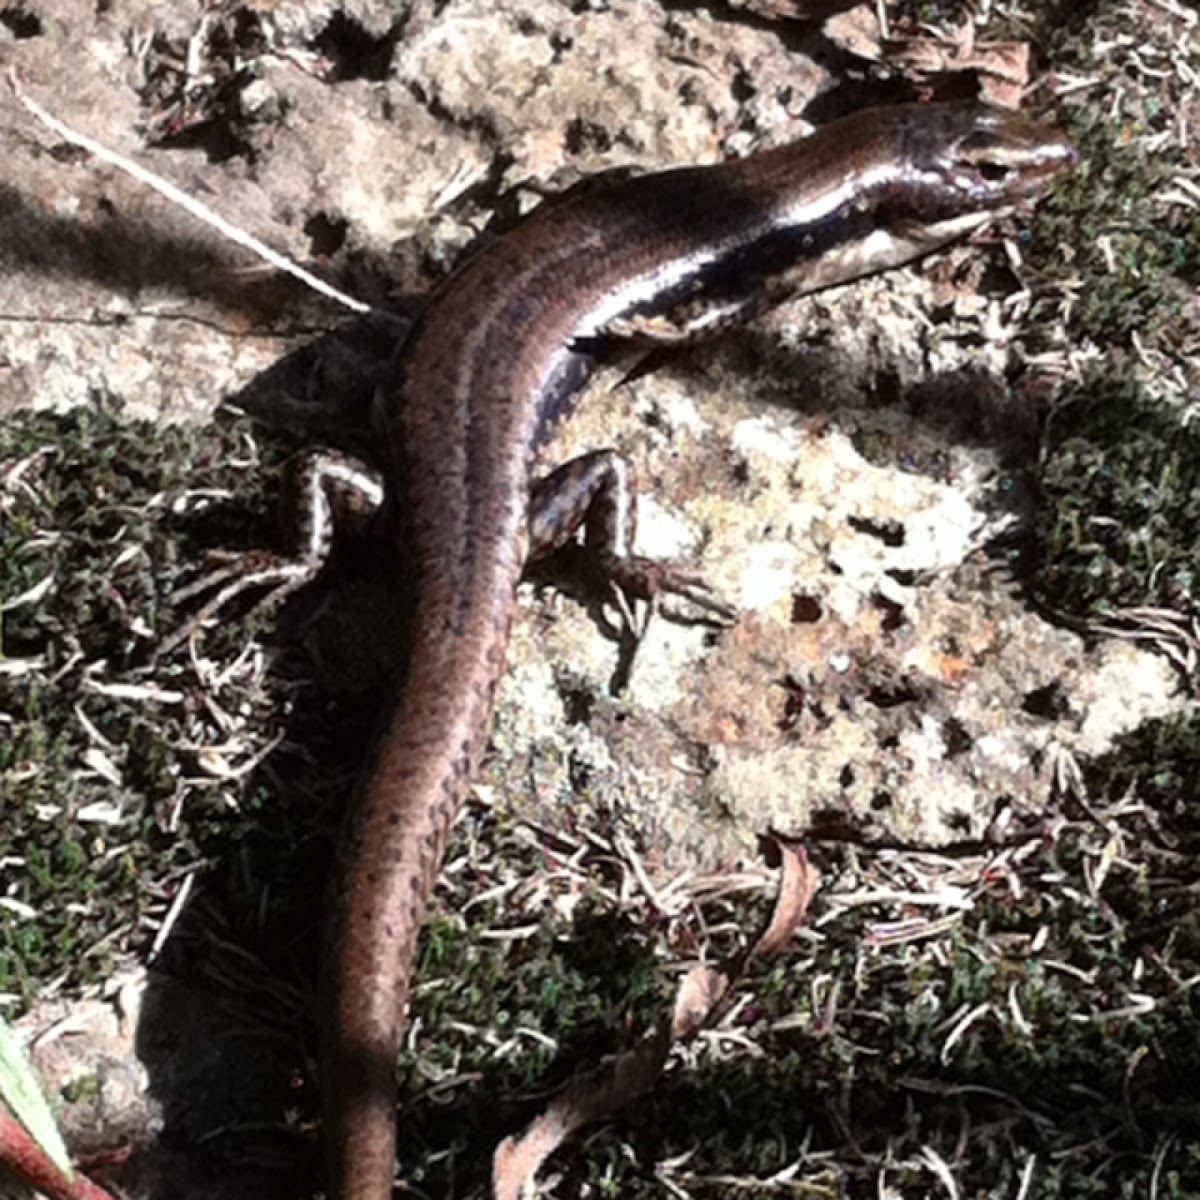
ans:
(189, 203)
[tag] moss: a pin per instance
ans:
(88, 776)
(86, 1087)
(500, 1022)
(1136, 270)
(1118, 523)
(1159, 763)
(1117, 520)
(1088, 1093)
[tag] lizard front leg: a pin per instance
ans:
(324, 491)
(595, 492)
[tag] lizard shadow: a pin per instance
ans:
(232, 998)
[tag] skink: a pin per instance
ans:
(501, 352)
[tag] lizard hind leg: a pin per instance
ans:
(595, 492)
(323, 491)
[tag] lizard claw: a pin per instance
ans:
(637, 578)
(280, 575)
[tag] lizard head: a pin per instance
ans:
(965, 158)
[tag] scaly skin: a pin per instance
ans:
(500, 354)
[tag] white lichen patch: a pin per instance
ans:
(529, 696)
(882, 667)
(765, 437)
(768, 575)
(1127, 688)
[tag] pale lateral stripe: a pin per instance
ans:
(647, 287)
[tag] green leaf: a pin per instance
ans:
(19, 1090)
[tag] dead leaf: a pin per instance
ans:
(1002, 67)
(857, 32)
(797, 887)
(26, 1160)
(700, 992)
(517, 1159)
(697, 1000)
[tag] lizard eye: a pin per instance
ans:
(993, 171)
(984, 153)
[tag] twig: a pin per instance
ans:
(200, 211)
(20, 1153)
